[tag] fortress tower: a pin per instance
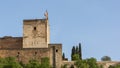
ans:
(35, 44)
(36, 33)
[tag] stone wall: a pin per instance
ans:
(68, 63)
(53, 52)
(25, 54)
(35, 44)
(106, 64)
(35, 33)
(11, 42)
(56, 55)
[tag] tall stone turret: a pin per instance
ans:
(36, 33)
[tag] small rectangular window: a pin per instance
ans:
(57, 50)
(34, 28)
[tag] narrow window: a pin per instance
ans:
(57, 50)
(18, 53)
(34, 28)
(35, 53)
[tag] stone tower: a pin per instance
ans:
(36, 33)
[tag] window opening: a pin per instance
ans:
(35, 53)
(18, 52)
(57, 50)
(34, 28)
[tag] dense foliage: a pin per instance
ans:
(63, 56)
(76, 53)
(115, 66)
(87, 63)
(64, 66)
(76, 56)
(106, 58)
(10, 62)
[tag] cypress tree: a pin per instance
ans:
(80, 51)
(73, 52)
(63, 56)
(77, 50)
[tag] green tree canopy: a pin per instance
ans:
(87, 63)
(73, 52)
(45, 63)
(76, 50)
(9, 62)
(105, 58)
(75, 57)
(80, 51)
(114, 66)
(36, 64)
(33, 64)
(63, 56)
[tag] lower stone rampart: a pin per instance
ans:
(106, 64)
(25, 54)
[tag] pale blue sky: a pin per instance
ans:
(94, 23)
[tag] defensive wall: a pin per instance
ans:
(105, 64)
(11, 42)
